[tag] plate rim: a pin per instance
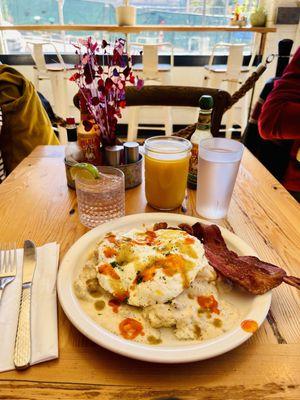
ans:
(162, 354)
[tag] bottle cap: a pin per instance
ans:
(131, 152)
(206, 102)
(70, 121)
(113, 155)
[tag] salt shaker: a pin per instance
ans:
(113, 155)
(131, 152)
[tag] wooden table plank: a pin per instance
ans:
(36, 204)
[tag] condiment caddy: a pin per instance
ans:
(125, 157)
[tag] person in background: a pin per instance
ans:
(280, 119)
(25, 123)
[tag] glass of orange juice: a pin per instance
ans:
(166, 170)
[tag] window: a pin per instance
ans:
(149, 12)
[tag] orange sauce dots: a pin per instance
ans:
(130, 328)
(114, 304)
(189, 240)
(148, 273)
(150, 237)
(109, 252)
(171, 264)
(208, 303)
(112, 239)
(107, 269)
(121, 296)
(249, 325)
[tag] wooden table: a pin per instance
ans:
(144, 28)
(36, 204)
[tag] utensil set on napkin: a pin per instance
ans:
(28, 309)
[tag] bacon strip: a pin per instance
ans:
(254, 275)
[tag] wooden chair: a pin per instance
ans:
(58, 73)
(153, 73)
(188, 96)
(231, 73)
(180, 96)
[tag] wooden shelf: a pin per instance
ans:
(137, 28)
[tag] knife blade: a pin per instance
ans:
(22, 352)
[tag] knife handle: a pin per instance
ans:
(22, 353)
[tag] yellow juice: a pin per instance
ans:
(166, 181)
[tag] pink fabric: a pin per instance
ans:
(280, 117)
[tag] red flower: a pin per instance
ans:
(108, 83)
(131, 79)
(105, 98)
(126, 71)
(89, 73)
(74, 77)
(139, 84)
(95, 101)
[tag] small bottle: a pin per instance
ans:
(88, 140)
(73, 152)
(202, 132)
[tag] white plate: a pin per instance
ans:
(250, 307)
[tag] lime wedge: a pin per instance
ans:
(85, 171)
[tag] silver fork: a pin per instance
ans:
(8, 266)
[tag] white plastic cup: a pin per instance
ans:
(218, 165)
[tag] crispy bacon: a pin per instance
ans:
(254, 275)
(187, 228)
(160, 225)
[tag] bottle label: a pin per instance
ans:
(204, 120)
(90, 145)
(193, 162)
(203, 127)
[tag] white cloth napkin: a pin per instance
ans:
(44, 339)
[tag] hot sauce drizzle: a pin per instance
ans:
(208, 303)
(189, 240)
(249, 325)
(115, 304)
(171, 265)
(121, 296)
(130, 328)
(107, 269)
(109, 252)
(112, 239)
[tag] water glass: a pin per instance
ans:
(218, 165)
(100, 200)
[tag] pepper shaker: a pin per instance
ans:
(131, 152)
(113, 155)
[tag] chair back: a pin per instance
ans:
(150, 61)
(234, 61)
(38, 56)
(150, 65)
(181, 96)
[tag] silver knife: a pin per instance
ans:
(22, 353)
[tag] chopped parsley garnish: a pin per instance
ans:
(114, 264)
(139, 278)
